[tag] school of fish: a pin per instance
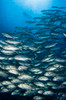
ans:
(33, 59)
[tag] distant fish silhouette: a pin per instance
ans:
(27, 15)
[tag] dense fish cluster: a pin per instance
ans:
(33, 59)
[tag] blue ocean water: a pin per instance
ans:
(14, 13)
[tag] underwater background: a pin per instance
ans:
(15, 12)
(33, 50)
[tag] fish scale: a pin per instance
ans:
(30, 66)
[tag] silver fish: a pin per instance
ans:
(32, 58)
